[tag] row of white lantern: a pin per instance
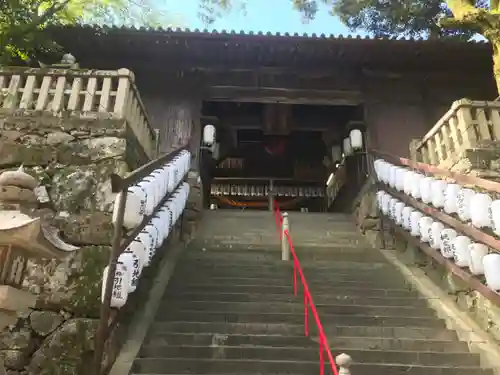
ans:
(142, 249)
(479, 208)
(143, 197)
(451, 244)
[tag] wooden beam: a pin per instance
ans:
(280, 95)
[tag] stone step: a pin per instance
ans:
(318, 298)
(283, 289)
(251, 366)
(297, 307)
(199, 279)
(297, 318)
(285, 273)
(210, 339)
(331, 331)
(348, 343)
(285, 276)
(290, 353)
(251, 256)
(398, 344)
(321, 266)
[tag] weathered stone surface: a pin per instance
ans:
(73, 284)
(67, 351)
(87, 228)
(17, 154)
(16, 194)
(56, 138)
(16, 346)
(45, 322)
(88, 187)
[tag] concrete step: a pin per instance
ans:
(318, 298)
(251, 366)
(332, 331)
(297, 306)
(297, 318)
(348, 343)
(283, 289)
(290, 353)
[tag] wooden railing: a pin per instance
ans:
(466, 124)
(91, 94)
(337, 182)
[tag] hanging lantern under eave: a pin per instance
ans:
(356, 138)
(336, 153)
(346, 146)
(208, 135)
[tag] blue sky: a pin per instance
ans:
(260, 16)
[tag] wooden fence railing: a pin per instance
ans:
(81, 92)
(466, 124)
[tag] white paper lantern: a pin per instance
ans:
(447, 237)
(414, 220)
(479, 210)
(477, 252)
(425, 189)
(131, 262)
(386, 199)
(377, 167)
(153, 231)
(356, 138)
(208, 135)
(135, 207)
(380, 195)
(408, 182)
(400, 178)
(415, 190)
(148, 240)
(461, 253)
(435, 235)
(346, 146)
(392, 175)
(121, 282)
(464, 197)
(406, 217)
(160, 225)
(491, 264)
(392, 208)
(385, 171)
(424, 227)
(437, 193)
(398, 212)
(450, 198)
(494, 213)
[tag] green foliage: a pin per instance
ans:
(22, 22)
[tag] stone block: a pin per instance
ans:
(73, 283)
(13, 299)
(86, 228)
(17, 154)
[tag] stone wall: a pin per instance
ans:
(73, 158)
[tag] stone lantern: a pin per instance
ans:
(22, 224)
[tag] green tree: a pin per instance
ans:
(428, 18)
(22, 22)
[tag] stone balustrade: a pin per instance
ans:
(467, 124)
(335, 184)
(85, 93)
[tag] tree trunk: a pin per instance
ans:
(496, 63)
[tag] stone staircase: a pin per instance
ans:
(230, 309)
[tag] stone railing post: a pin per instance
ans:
(344, 362)
(285, 247)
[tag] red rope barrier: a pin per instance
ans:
(308, 301)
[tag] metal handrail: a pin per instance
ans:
(121, 185)
(308, 300)
(470, 231)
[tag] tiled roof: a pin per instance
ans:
(268, 35)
